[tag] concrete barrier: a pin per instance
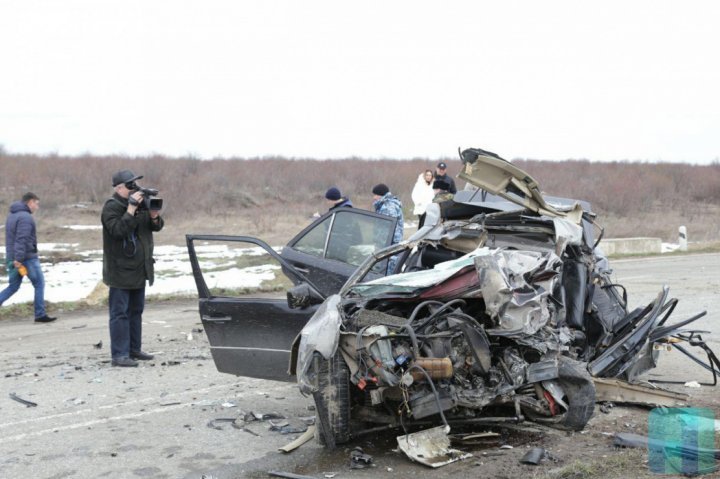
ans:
(615, 246)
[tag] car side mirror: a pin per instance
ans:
(302, 296)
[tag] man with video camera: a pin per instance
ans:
(129, 219)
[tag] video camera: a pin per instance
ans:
(153, 204)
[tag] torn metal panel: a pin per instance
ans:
(616, 390)
(408, 282)
(516, 286)
(542, 370)
(567, 232)
(431, 447)
(502, 178)
(621, 355)
(320, 335)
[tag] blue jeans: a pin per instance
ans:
(36, 278)
(126, 308)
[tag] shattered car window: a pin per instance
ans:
(314, 241)
(353, 238)
(230, 269)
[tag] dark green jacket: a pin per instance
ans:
(127, 245)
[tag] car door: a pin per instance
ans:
(333, 246)
(242, 284)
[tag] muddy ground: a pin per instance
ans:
(92, 420)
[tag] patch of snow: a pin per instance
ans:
(83, 227)
(75, 280)
(668, 247)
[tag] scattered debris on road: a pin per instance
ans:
(308, 435)
(27, 403)
(535, 456)
(360, 460)
(431, 447)
(618, 391)
(288, 475)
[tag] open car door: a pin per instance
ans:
(329, 250)
(242, 285)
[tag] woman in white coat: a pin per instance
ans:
(422, 195)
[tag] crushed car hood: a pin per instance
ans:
(491, 173)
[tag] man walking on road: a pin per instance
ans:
(21, 254)
(127, 264)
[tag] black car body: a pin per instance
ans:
(251, 328)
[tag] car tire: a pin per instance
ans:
(579, 389)
(579, 394)
(332, 401)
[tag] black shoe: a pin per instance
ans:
(124, 363)
(45, 319)
(141, 356)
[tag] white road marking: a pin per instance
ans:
(114, 406)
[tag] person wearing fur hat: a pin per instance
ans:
(336, 199)
(385, 203)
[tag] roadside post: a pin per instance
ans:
(682, 238)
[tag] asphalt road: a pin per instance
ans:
(92, 420)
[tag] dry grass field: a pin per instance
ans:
(274, 197)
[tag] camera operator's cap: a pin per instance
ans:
(442, 165)
(124, 176)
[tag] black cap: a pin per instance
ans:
(442, 165)
(380, 189)
(124, 176)
(333, 194)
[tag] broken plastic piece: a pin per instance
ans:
(288, 475)
(27, 403)
(359, 460)
(212, 424)
(431, 447)
(534, 456)
(266, 416)
(309, 434)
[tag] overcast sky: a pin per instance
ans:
(610, 80)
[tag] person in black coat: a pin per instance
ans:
(336, 199)
(127, 265)
(441, 174)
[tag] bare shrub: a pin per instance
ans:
(265, 195)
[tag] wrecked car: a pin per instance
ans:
(501, 308)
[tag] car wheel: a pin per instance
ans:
(332, 401)
(578, 393)
(579, 389)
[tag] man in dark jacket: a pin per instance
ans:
(127, 264)
(441, 174)
(21, 254)
(336, 199)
